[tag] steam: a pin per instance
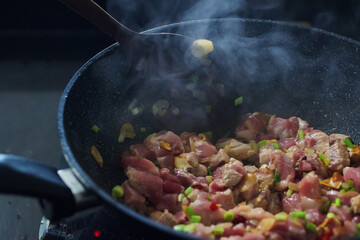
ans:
(143, 14)
(277, 69)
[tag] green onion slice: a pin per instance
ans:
(348, 143)
(229, 217)
(298, 215)
(330, 215)
(262, 143)
(179, 227)
(189, 228)
(189, 211)
(181, 196)
(194, 78)
(301, 134)
(324, 158)
(95, 128)
(188, 191)
(351, 183)
(238, 101)
(338, 202)
(117, 191)
(345, 186)
(208, 135)
(209, 172)
(281, 216)
(276, 177)
(277, 146)
(218, 230)
(289, 192)
(310, 226)
(208, 108)
(195, 219)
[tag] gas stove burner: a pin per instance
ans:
(68, 229)
(95, 224)
(53, 231)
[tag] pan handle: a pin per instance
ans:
(58, 198)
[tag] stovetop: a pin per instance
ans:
(94, 224)
(35, 67)
(32, 79)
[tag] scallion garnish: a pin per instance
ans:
(194, 78)
(276, 146)
(142, 129)
(348, 143)
(179, 227)
(195, 219)
(229, 217)
(289, 192)
(95, 128)
(352, 190)
(208, 108)
(342, 190)
(209, 172)
(188, 191)
(276, 177)
(358, 226)
(208, 135)
(181, 196)
(189, 228)
(189, 211)
(117, 192)
(324, 158)
(281, 216)
(301, 134)
(351, 183)
(209, 179)
(238, 101)
(218, 230)
(345, 186)
(330, 215)
(337, 202)
(310, 226)
(298, 215)
(202, 136)
(262, 143)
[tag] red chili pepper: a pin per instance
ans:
(326, 236)
(213, 207)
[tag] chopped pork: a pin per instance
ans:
(275, 178)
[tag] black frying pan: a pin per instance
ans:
(279, 68)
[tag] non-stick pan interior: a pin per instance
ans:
(278, 68)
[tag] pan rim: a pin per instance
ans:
(78, 171)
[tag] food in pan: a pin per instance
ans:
(275, 179)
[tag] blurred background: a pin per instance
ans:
(42, 44)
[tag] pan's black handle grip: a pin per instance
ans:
(23, 176)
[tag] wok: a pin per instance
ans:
(279, 68)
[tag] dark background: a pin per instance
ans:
(42, 44)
